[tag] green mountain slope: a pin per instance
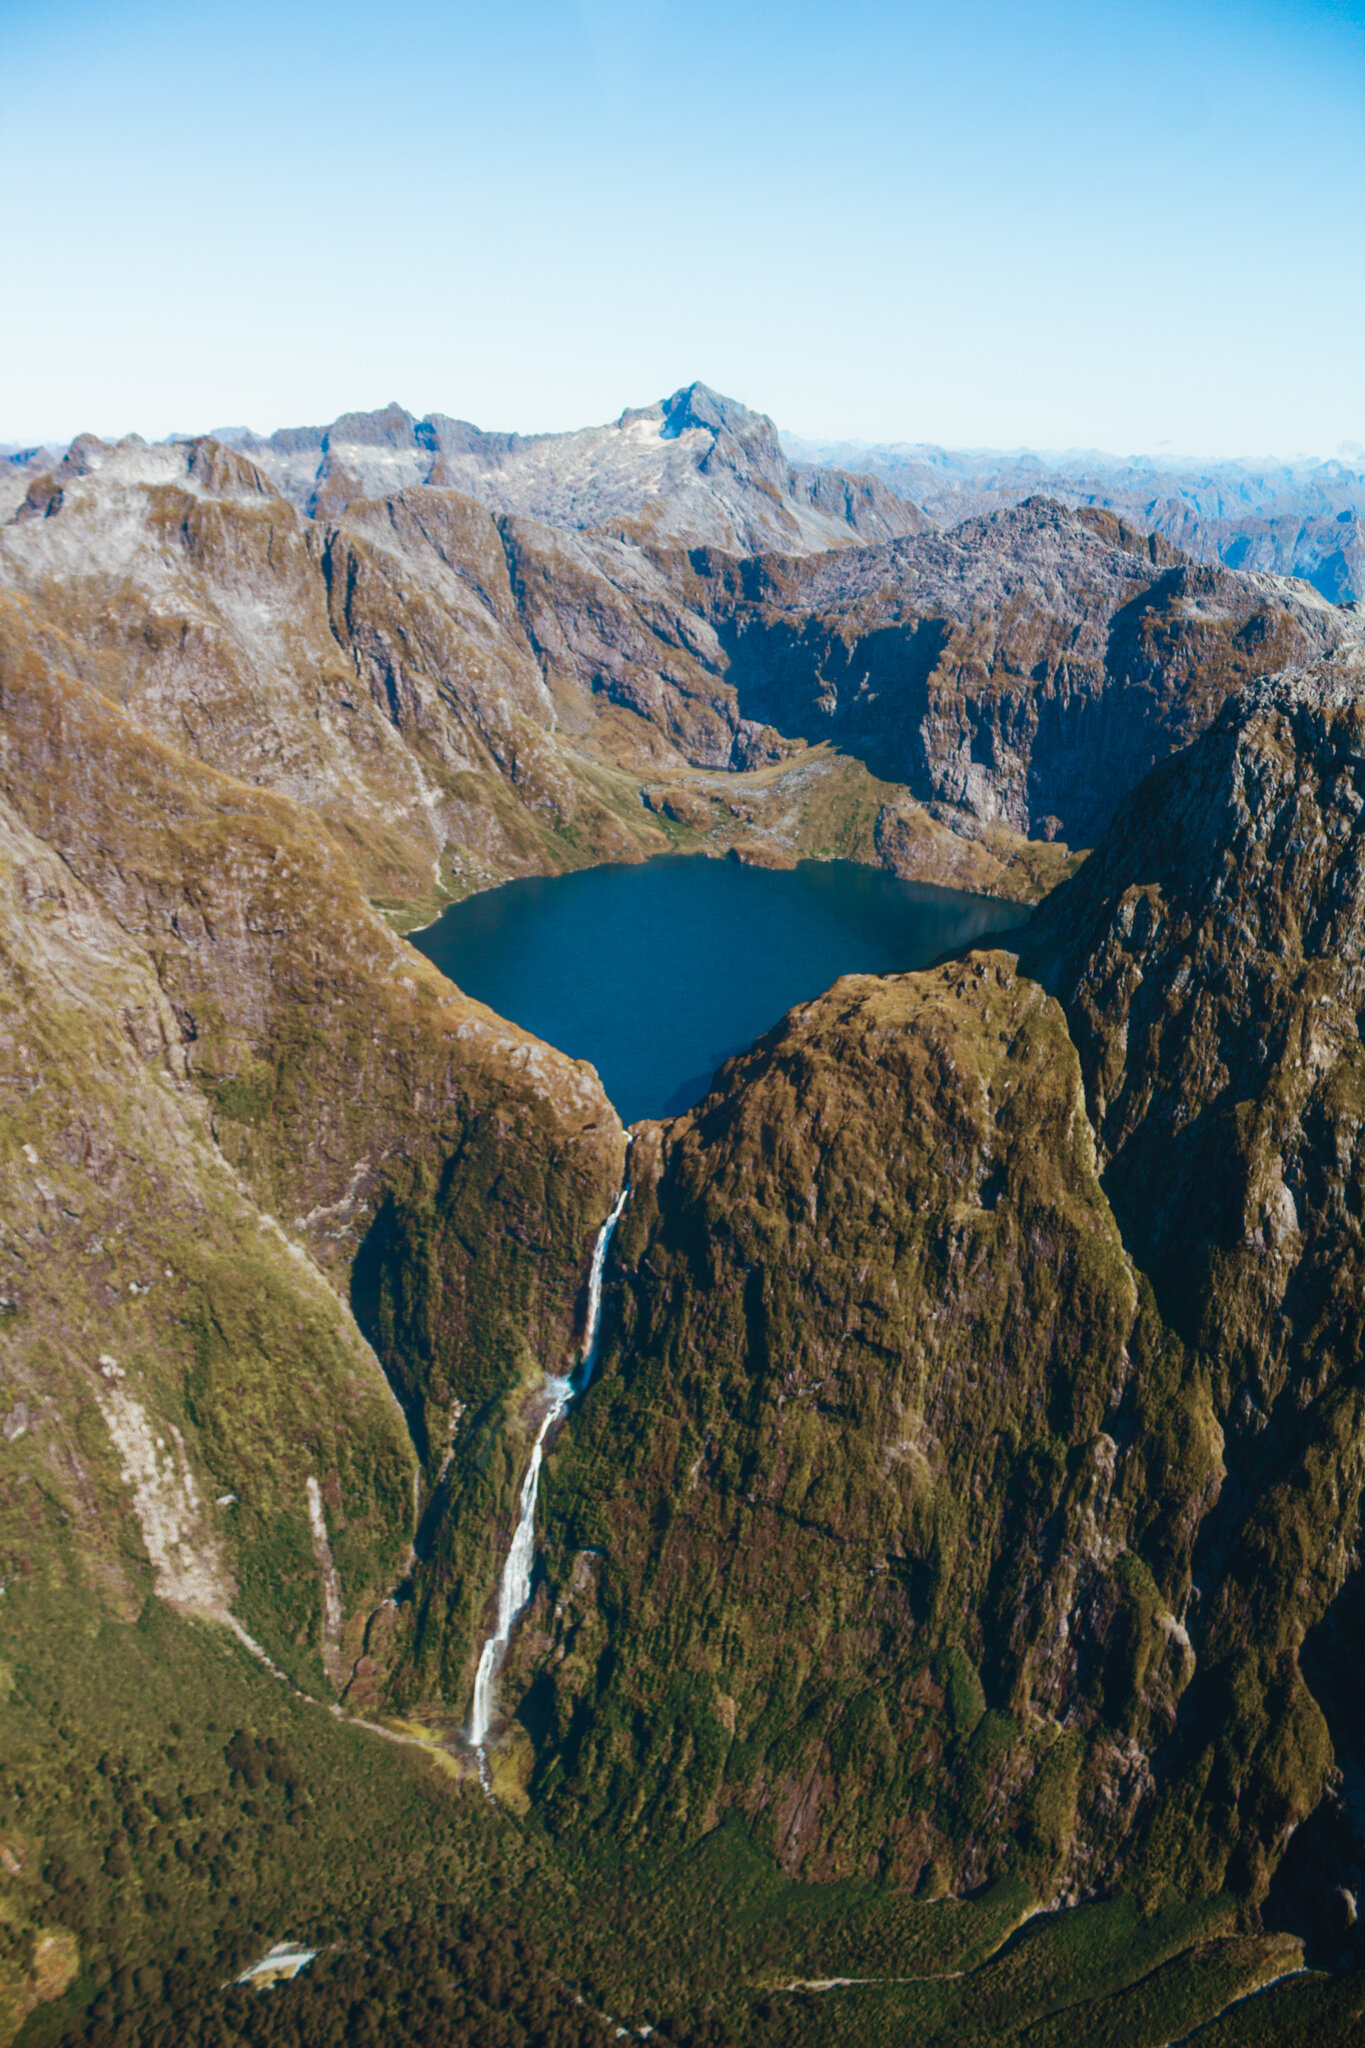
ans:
(847, 1535)
(966, 1506)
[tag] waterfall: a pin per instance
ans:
(592, 1333)
(514, 1589)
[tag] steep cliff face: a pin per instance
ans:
(1027, 668)
(621, 657)
(970, 1487)
(184, 1397)
(462, 697)
(1325, 547)
(1210, 961)
(849, 1533)
(372, 668)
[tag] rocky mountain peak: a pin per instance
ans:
(697, 405)
(693, 470)
(392, 427)
(225, 472)
(1211, 957)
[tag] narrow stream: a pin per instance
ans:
(514, 1589)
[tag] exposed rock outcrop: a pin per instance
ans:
(1211, 958)
(466, 690)
(899, 1420)
(696, 470)
(1025, 669)
(458, 699)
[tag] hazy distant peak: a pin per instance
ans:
(392, 427)
(1298, 516)
(695, 469)
(446, 436)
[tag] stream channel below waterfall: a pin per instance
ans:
(659, 972)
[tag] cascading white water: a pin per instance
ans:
(592, 1331)
(515, 1588)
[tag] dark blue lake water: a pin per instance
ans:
(659, 972)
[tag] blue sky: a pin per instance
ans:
(1116, 225)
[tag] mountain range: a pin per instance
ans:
(1300, 517)
(945, 1595)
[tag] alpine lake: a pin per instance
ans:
(657, 973)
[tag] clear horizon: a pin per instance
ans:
(1054, 229)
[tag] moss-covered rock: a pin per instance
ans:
(1209, 956)
(846, 1534)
